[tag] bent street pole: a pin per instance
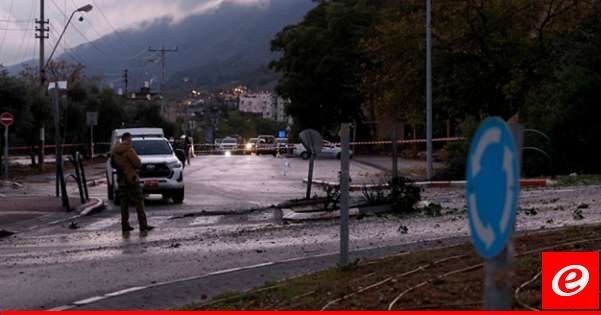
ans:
(344, 195)
(310, 176)
(5, 172)
(56, 137)
(395, 165)
(429, 88)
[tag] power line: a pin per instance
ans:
(78, 30)
(13, 21)
(107, 20)
(10, 12)
(16, 29)
(20, 52)
(67, 48)
(101, 38)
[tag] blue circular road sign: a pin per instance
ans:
(492, 188)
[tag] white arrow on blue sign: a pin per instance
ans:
(493, 187)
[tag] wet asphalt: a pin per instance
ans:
(226, 222)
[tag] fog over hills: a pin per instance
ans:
(226, 46)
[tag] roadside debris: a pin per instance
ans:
(73, 225)
(530, 212)
(578, 214)
(583, 206)
(5, 233)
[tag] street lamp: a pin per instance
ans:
(57, 137)
(86, 8)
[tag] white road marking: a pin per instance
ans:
(205, 220)
(90, 300)
(61, 308)
(125, 291)
(220, 272)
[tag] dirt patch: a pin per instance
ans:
(443, 278)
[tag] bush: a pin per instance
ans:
(404, 195)
(457, 152)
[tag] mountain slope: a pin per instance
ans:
(221, 47)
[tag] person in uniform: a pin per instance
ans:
(127, 163)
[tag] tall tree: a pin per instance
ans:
(319, 61)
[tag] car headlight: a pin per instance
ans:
(175, 164)
(249, 146)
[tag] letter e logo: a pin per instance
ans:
(570, 280)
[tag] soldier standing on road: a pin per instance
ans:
(127, 164)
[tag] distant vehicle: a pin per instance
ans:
(228, 145)
(281, 145)
(251, 146)
(162, 171)
(266, 145)
(328, 150)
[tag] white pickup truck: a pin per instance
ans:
(162, 172)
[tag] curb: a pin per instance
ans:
(292, 216)
(92, 206)
(11, 184)
(524, 183)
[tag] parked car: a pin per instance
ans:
(228, 145)
(251, 146)
(162, 170)
(266, 145)
(328, 150)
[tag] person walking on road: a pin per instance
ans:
(127, 164)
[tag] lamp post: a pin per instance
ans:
(86, 8)
(57, 136)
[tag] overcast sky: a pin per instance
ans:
(17, 43)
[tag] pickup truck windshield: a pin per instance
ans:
(152, 147)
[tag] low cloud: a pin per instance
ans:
(17, 42)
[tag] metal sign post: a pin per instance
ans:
(492, 192)
(91, 121)
(61, 186)
(344, 194)
(312, 141)
(6, 119)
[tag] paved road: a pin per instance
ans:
(53, 265)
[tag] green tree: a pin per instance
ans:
(566, 106)
(319, 61)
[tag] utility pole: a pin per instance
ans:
(429, 88)
(43, 30)
(125, 81)
(163, 52)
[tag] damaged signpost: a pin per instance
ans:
(492, 192)
(312, 141)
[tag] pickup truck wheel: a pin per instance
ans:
(178, 196)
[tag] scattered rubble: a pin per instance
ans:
(5, 233)
(577, 214)
(73, 225)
